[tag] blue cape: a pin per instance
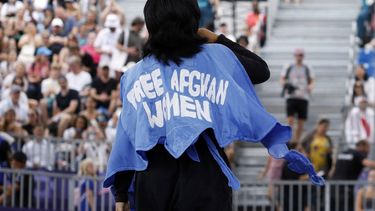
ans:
(172, 105)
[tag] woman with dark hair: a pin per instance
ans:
(182, 104)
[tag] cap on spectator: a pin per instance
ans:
(57, 22)
(43, 51)
(299, 51)
(69, 1)
(15, 89)
(112, 21)
(20, 157)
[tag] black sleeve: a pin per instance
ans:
(256, 67)
(121, 185)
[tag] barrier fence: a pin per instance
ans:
(38, 190)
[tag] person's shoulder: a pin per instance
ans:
(73, 92)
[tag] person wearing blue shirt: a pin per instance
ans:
(190, 96)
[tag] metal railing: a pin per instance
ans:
(56, 154)
(299, 196)
(38, 190)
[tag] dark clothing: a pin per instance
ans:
(297, 106)
(104, 87)
(183, 184)
(291, 191)
(134, 41)
(348, 165)
(64, 101)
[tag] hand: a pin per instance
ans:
(209, 35)
(301, 165)
(104, 97)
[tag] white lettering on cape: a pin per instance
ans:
(191, 95)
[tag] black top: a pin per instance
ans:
(348, 165)
(257, 71)
(103, 87)
(64, 101)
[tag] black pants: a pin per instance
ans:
(182, 184)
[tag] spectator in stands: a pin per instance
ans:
(107, 39)
(208, 8)
(5, 156)
(110, 131)
(6, 93)
(359, 124)
(20, 72)
(39, 151)
(28, 44)
(366, 57)
(78, 129)
(90, 111)
(223, 29)
(87, 188)
(243, 41)
(8, 124)
(298, 81)
(10, 9)
(358, 93)
(349, 165)
(69, 22)
(365, 199)
(19, 183)
(256, 26)
(112, 7)
(102, 88)
(370, 91)
(15, 103)
(77, 78)
(318, 146)
(37, 72)
(292, 190)
(66, 105)
(90, 49)
(88, 25)
(50, 85)
(130, 43)
(34, 120)
(56, 39)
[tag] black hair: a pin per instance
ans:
(172, 27)
(354, 95)
(20, 157)
(244, 38)
(5, 150)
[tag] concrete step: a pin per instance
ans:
(320, 6)
(301, 42)
(311, 55)
(308, 50)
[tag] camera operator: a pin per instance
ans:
(297, 81)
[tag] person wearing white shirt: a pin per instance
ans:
(77, 78)
(50, 85)
(10, 9)
(370, 91)
(107, 39)
(40, 153)
(15, 103)
(359, 124)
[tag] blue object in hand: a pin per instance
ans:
(298, 163)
